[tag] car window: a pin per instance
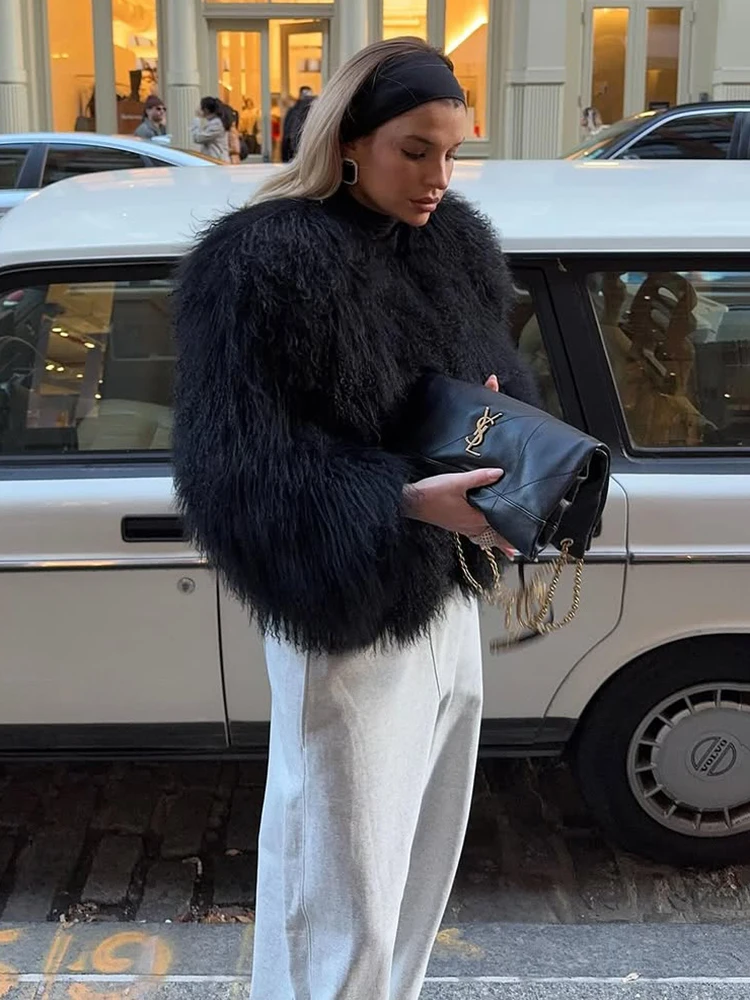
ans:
(86, 366)
(694, 137)
(69, 161)
(12, 159)
(678, 344)
(526, 333)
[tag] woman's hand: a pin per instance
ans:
(441, 500)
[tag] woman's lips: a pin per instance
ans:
(426, 204)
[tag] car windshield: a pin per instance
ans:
(597, 144)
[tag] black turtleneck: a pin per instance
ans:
(344, 204)
(299, 339)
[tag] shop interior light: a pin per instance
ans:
(466, 34)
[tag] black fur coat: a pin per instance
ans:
(301, 326)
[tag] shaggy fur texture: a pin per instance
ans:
(300, 327)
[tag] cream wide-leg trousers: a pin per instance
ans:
(370, 777)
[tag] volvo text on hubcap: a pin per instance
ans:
(689, 761)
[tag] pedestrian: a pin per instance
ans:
(230, 118)
(154, 118)
(249, 126)
(294, 120)
(302, 321)
(591, 121)
(208, 130)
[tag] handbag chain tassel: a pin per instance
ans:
(527, 607)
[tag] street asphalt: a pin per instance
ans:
(504, 961)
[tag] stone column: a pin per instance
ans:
(535, 82)
(104, 67)
(183, 79)
(353, 32)
(14, 93)
(731, 81)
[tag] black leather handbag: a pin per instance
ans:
(552, 492)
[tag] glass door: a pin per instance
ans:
(663, 57)
(240, 51)
(636, 56)
(299, 66)
(262, 67)
(607, 75)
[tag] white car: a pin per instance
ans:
(33, 160)
(634, 310)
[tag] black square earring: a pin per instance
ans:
(349, 171)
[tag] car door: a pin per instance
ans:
(520, 680)
(108, 618)
(662, 357)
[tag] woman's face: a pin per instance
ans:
(406, 165)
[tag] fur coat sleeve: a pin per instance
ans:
(264, 488)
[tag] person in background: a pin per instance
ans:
(249, 126)
(248, 116)
(294, 120)
(231, 118)
(154, 118)
(208, 130)
(591, 121)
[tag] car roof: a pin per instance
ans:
(131, 143)
(539, 206)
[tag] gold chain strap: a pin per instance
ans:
(468, 576)
(528, 607)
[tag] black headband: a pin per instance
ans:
(400, 84)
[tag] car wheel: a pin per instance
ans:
(662, 755)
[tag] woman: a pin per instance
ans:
(302, 323)
(230, 118)
(208, 130)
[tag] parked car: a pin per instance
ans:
(35, 159)
(685, 132)
(636, 319)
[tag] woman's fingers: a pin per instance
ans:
(492, 383)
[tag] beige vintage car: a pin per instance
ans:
(634, 309)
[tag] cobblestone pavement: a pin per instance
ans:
(177, 842)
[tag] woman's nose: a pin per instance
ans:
(438, 176)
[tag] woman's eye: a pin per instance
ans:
(412, 156)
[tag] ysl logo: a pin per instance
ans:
(484, 423)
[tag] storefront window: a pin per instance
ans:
(269, 1)
(71, 62)
(610, 45)
(404, 17)
(466, 42)
(134, 36)
(662, 57)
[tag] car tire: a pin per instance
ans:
(662, 755)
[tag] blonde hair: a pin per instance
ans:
(315, 172)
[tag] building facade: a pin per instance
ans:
(528, 67)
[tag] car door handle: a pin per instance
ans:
(153, 528)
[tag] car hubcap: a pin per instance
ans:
(689, 761)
